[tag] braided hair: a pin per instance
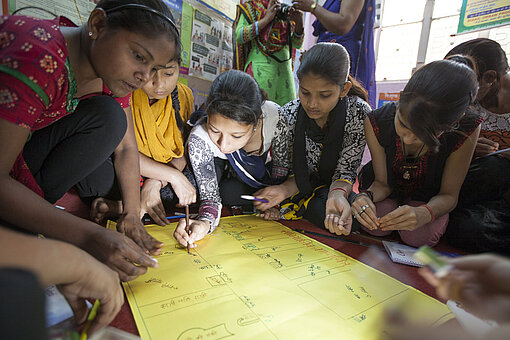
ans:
(177, 107)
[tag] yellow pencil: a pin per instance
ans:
(90, 318)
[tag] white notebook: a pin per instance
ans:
(400, 253)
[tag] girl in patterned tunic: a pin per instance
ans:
(421, 149)
(239, 147)
(326, 141)
(481, 221)
(60, 123)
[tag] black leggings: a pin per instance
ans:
(316, 210)
(76, 150)
(481, 220)
(231, 186)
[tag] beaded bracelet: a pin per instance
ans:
(338, 188)
(430, 211)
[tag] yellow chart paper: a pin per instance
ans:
(256, 279)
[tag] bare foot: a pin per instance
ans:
(103, 208)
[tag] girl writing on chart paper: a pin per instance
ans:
(238, 148)
(421, 149)
(60, 122)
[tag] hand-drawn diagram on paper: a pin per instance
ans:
(256, 279)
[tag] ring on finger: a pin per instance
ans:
(362, 212)
(365, 207)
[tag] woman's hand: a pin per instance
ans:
(405, 217)
(120, 253)
(131, 226)
(303, 5)
(184, 190)
(338, 214)
(272, 8)
(275, 194)
(93, 280)
(363, 209)
(485, 146)
(198, 230)
(151, 201)
(480, 282)
(296, 16)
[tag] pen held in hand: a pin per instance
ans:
(187, 225)
(148, 219)
(90, 318)
(507, 150)
(253, 198)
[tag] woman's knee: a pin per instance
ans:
(428, 234)
(108, 119)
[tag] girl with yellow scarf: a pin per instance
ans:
(160, 111)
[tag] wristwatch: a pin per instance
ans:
(313, 6)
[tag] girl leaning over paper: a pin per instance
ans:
(326, 141)
(421, 149)
(161, 109)
(239, 146)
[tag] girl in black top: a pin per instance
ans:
(421, 149)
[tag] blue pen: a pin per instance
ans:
(148, 219)
(253, 198)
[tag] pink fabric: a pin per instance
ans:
(428, 234)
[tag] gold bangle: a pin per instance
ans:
(343, 180)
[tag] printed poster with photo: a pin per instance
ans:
(176, 9)
(227, 48)
(206, 49)
(226, 7)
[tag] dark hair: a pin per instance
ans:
(487, 53)
(436, 97)
(464, 59)
(147, 17)
(331, 62)
(235, 95)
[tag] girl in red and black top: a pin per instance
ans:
(59, 122)
(421, 149)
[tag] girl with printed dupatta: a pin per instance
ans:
(161, 109)
(265, 38)
(326, 142)
(238, 148)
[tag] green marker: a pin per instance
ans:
(432, 260)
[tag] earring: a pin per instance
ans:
(90, 34)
